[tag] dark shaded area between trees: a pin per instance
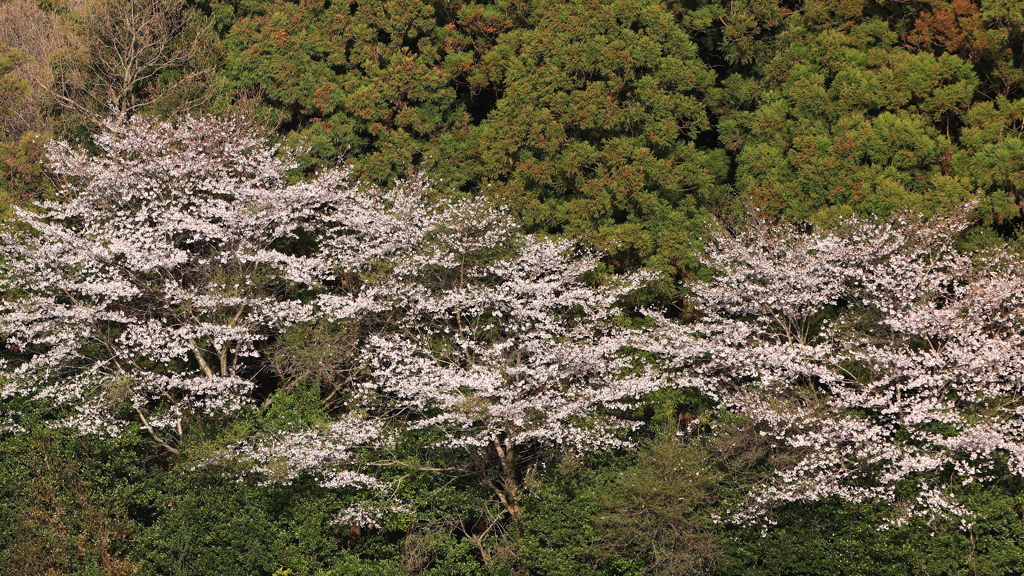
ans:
(628, 125)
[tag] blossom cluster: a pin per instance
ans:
(173, 256)
(878, 353)
(151, 290)
(498, 341)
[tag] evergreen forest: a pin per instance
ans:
(511, 287)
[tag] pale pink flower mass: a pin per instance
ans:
(877, 352)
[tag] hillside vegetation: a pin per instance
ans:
(518, 287)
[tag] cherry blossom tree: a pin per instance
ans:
(879, 355)
(497, 343)
(151, 289)
(148, 290)
(506, 356)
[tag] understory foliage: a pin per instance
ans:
(363, 379)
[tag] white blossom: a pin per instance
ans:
(155, 281)
(878, 354)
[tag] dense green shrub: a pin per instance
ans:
(834, 538)
(66, 502)
(203, 523)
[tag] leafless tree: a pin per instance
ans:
(134, 53)
(37, 36)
